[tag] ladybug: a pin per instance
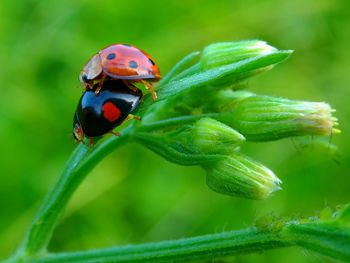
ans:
(120, 61)
(98, 114)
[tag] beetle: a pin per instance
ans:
(99, 114)
(120, 61)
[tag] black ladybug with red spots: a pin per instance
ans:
(110, 96)
(98, 114)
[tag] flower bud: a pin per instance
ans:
(224, 53)
(263, 118)
(238, 175)
(210, 136)
(236, 61)
(203, 141)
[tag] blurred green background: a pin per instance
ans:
(135, 196)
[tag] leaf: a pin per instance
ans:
(233, 72)
(180, 66)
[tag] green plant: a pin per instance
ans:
(201, 118)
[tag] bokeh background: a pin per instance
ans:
(135, 196)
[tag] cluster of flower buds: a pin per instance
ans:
(203, 116)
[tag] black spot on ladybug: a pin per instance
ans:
(152, 62)
(133, 64)
(127, 45)
(111, 56)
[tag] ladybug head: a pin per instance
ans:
(83, 78)
(91, 70)
(78, 133)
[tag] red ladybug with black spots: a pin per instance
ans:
(98, 114)
(120, 61)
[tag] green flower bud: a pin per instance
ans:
(204, 141)
(224, 53)
(243, 60)
(263, 118)
(210, 136)
(238, 175)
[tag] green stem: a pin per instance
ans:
(80, 163)
(331, 239)
(183, 250)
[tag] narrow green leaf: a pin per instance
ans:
(180, 66)
(232, 72)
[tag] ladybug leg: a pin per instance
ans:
(89, 86)
(100, 83)
(132, 117)
(97, 91)
(91, 142)
(79, 141)
(150, 88)
(115, 133)
(130, 86)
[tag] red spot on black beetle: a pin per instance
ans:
(111, 112)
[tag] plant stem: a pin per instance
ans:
(183, 250)
(81, 162)
(330, 239)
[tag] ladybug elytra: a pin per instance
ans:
(120, 61)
